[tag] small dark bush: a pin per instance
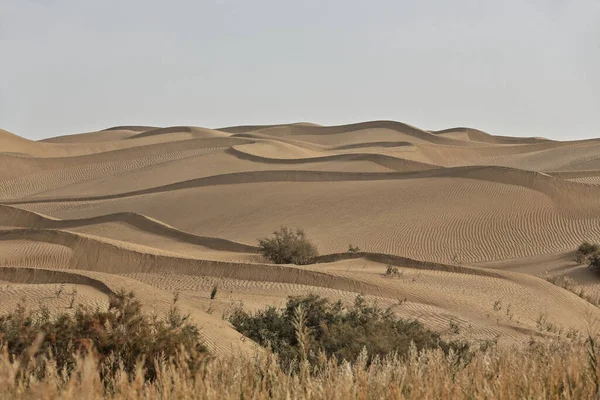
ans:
(121, 335)
(213, 292)
(338, 331)
(594, 261)
(287, 246)
(353, 249)
(392, 271)
(585, 251)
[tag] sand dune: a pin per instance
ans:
(97, 142)
(475, 135)
(192, 131)
(400, 129)
(93, 137)
(43, 174)
(428, 289)
(569, 197)
(135, 128)
(136, 132)
(396, 217)
(10, 216)
(250, 152)
(471, 220)
(13, 144)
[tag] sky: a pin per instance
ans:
(521, 68)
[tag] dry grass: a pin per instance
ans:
(556, 368)
(565, 370)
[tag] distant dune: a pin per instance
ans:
(469, 218)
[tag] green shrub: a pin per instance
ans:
(585, 251)
(287, 246)
(336, 330)
(121, 336)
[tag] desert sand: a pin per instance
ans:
(475, 222)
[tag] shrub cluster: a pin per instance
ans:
(588, 253)
(392, 271)
(120, 337)
(353, 249)
(594, 261)
(309, 325)
(585, 251)
(287, 246)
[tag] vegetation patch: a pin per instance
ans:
(120, 337)
(310, 327)
(353, 249)
(585, 252)
(288, 246)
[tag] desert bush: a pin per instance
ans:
(353, 249)
(287, 246)
(588, 253)
(392, 271)
(585, 251)
(335, 330)
(120, 337)
(594, 261)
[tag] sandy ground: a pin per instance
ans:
(475, 223)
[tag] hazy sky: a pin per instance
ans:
(526, 67)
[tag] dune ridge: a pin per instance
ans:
(100, 255)
(394, 163)
(294, 130)
(195, 132)
(11, 216)
(484, 137)
(560, 191)
(40, 275)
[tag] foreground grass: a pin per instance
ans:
(122, 336)
(557, 370)
(120, 353)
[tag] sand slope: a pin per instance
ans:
(474, 222)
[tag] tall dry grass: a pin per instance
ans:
(550, 368)
(547, 370)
